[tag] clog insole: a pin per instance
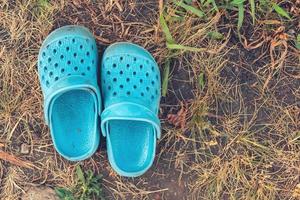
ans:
(73, 117)
(131, 144)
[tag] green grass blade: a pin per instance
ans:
(191, 9)
(188, 1)
(60, 192)
(298, 41)
(280, 11)
(215, 35)
(80, 174)
(213, 3)
(237, 2)
(165, 80)
(64, 194)
(201, 81)
(241, 15)
(252, 6)
(166, 29)
(185, 48)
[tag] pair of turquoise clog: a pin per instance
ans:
(130, 92)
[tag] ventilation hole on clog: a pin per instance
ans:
(108, 72)
(80, 46)
(68, 48)
(115, 79)
(156, 77)
(43, 78)
(83, 74)
(73, 40)
(92, 47)
(81, 60)
(87, 53)
(152, 68)
(134, 59)
(141, 80)
(134, 87)
(93, 62)
(121, 86)
(156, 92)
(128, 93)
(87, 40)
(114, 65)
(115, 94)
(75, 68)
(75, 55)
(121, 58)
(59, 42)
(109, 87)
(50, 74)
(69, 62)
(152, 82)
(56, 78)
(45, 69)
(141, 66)
(44, 54)
(47, 46)
(147, 88)
(147, 74)
(62, 70)
(121, 72)
(54, 51)
(134, 73)
(152, 97)
(88, 68)
(147, 61)
(47, 83)
(142, 94)
(41, 62)
(56, 65)
(127, 65)
(61, 56)
(69, 74)
(127, 79)
(49, 59)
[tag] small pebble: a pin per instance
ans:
(24, 148)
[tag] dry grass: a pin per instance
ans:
(241, 138)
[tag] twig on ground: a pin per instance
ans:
(15, 161)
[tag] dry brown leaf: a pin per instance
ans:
(112, 173)
(279, 39)
(179, 119)
(255, 44)
(270, 22)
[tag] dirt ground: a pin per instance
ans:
(237, 135)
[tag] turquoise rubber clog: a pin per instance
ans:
(131, 94)
(67, 67)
